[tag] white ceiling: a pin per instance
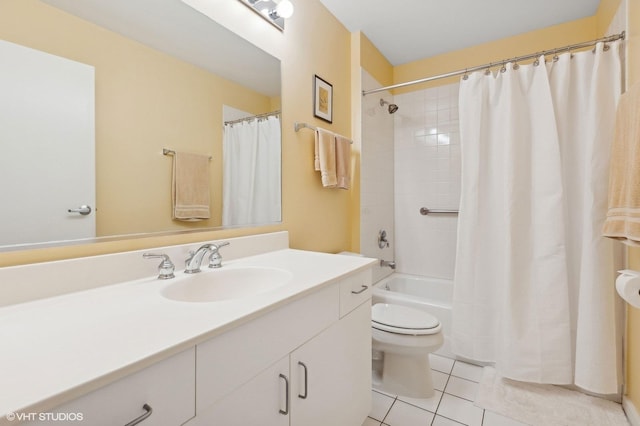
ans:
(408, 30)
(175, 28)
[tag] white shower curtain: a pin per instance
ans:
(252, 173)
(534, 279)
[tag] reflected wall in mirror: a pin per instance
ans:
(163, 72)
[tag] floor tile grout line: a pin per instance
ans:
(449, 418)
(389, 410)
(458, 396)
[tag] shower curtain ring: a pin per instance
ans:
(537, 61)
(465, 76)
(488, 70)
(605, 47)
(503, 68)
(570, 52)
(515, 65)
(555, 56)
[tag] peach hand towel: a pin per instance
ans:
(343, 161)
(190, 187)
(325, 157)
(623, 216)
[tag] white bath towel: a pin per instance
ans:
(325, 157)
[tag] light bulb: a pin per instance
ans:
(284, 9)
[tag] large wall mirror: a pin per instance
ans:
(162, 76)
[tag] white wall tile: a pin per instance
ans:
(377, 173)
(427, 174)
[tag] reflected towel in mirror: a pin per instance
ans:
(190, 187)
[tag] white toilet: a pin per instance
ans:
(403, 338)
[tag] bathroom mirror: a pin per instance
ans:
(163, 73)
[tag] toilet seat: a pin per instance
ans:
(403, 320)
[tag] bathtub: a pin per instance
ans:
(433, 295)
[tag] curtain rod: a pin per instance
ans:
(503, 62)
(240, 120)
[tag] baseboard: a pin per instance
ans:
(631, 412)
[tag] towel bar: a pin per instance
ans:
(297, 126)
(166, 151)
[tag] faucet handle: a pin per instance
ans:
(166, 267)
(220, 245)
(215, 260)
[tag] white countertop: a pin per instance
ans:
(56, 349)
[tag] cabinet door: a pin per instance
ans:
(260, 402)
(331, 374)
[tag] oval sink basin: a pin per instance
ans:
(226, 284)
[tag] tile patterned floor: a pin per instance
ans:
(456, 385)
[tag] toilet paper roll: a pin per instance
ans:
(628, 287)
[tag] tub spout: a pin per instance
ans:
(390, 263)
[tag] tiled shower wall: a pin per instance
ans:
(376, 178)
(427, 174)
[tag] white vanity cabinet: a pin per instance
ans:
(331, 374)
(307, 363)
(167, 388)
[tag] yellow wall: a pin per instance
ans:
(145, 100)
(374, 62)
(605, 13)
(314, 43)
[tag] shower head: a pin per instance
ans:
(392, 107)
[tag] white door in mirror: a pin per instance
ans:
(47, 125)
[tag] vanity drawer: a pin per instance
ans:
(354, 290)
(233, 358)
(168, 387)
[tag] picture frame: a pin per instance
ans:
(322, 99)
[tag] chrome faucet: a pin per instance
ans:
(390, 263)
(193, 263)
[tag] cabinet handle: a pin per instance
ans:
(286, 382)
(306, 393)
(362, 290)
(137, 420)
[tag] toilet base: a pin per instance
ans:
(405, 375)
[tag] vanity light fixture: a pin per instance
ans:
(273, 11)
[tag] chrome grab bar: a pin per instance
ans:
(425, 211)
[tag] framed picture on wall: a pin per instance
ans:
(322, 99)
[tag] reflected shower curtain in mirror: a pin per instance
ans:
(252, 176)
(534, 279)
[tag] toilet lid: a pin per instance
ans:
(403, 320)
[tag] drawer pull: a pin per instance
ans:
(286, 395)
(137, 420)
(362, 290)
(306, 381)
